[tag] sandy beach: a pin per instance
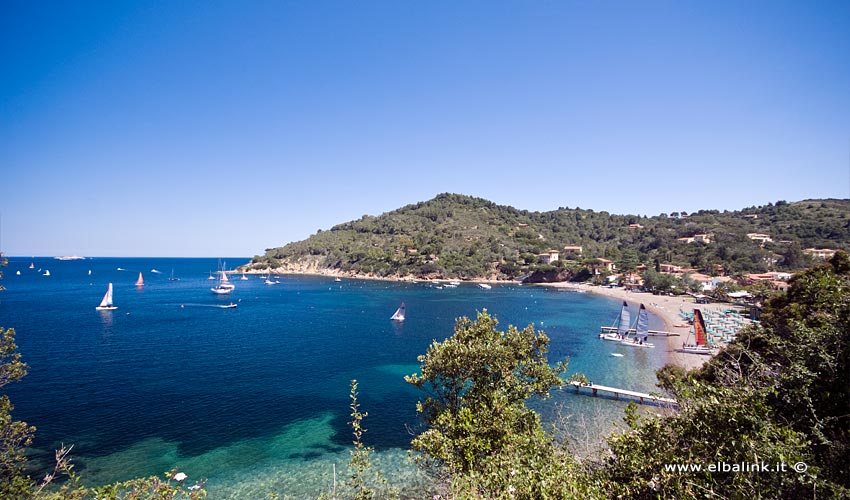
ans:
(663, 306)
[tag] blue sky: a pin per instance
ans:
(215, 128)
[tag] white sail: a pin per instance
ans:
(622, 326)
(140, 281)
(642, 328)
(106, 303)
(399, 313)
(625, 317)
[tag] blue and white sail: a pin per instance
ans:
(642, 328)
(619, 331)
(625, 317)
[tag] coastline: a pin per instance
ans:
(663, 306)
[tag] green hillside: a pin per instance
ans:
(457, 236)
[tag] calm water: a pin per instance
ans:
(256, 398)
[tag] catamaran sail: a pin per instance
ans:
(622, 326)
(701, 346)
(641, 330)
(140, 281)
(399, 313)
(106, 303)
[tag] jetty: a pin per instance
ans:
(651, 333)
(642, 397)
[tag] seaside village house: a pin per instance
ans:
(761, 238)
(574, 250)
(777, 280)
(603, 265)
(697, 238)
(548, 257)
(820, 253)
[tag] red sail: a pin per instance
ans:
(699, 327)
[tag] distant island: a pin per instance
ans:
(69, 257)
(454, 236)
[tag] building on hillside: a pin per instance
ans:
(631, 280)
(697, 238)
(709, 283)
(548, 257)
(669, 269)
(573, 248)
(603, 265)
(820, 253)
(761, 238)
(635, 226)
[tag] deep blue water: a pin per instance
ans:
(256, 398)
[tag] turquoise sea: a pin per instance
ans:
(255, 398)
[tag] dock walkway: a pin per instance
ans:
(642, 397)
(652, 333)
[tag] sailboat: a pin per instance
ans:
(224, 286)
(172, 278)
(244, 278)
(701, 346)
(399, 313)
(106, 303)
(223, 281)
(140, 281)
(641, 330)
(47, 272)
(620, 329)
(32, 265)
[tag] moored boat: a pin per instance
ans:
(620, 329)
(701, 345)
(641, 330)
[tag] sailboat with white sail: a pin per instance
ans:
(106, 304)
(620, 329)
(141, 280)
(399, 313)
(224, 285)
(641, 330)
(701, 338)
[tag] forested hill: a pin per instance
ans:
(457, 236)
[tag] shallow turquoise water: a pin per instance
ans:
(256, 398)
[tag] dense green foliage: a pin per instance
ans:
(457, 236)
(779, 394)
(480, 431)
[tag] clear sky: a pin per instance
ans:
(221, 128)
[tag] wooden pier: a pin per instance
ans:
(642, 397)
(652, 333)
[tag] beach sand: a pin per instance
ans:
(665, 307)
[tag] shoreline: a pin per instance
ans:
(665, 307)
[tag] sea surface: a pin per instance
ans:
(255, 398)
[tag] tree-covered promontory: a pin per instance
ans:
(458, 236)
